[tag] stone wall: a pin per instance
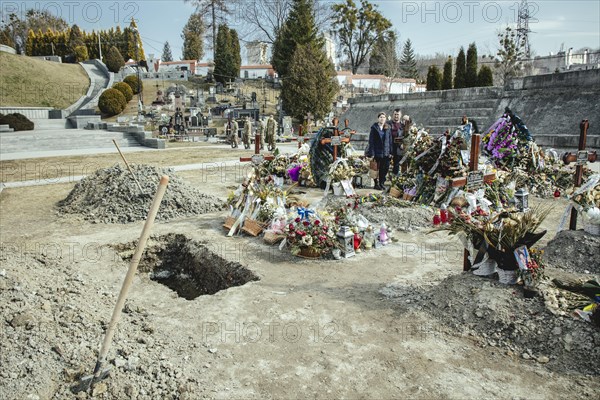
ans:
(551, 105)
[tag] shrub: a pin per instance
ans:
(18, 122)
(114, 60)
(112, 102)
(81, 53)
(133, 82)
(125, 89)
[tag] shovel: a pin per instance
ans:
(128, 167)
(99, 374)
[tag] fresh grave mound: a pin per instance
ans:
(189, 268)
(499, 316)
(397, 214)
(575, 251)
(111, 195)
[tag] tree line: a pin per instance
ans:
(464, 75)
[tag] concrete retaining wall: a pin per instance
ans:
(551, 105)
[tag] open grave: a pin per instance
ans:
(187, 267)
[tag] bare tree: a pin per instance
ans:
(262, 19)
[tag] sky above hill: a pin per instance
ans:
(433, 26)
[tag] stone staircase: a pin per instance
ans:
(61, 140)
(448, 114)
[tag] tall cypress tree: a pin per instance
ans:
(485, 76)
(434, 78)
(447, 78)
(461, 70)
(225, 58)
(298, 29)
(471, 75)
(236, 56)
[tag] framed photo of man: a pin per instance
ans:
(522, 256)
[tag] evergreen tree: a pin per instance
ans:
(384, 60)
(75, 38)
(408, 63)
(434, 78)
(134, 47)
(311, 85)
(193, 38)
(461, 70)
(299, 29)
(485, 76)
(471, 75)
(447, 78)
(30, 43)
(114, 60)
(166, 54)
(228, 59)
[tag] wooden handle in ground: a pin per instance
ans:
(135, 260)
(127, 165)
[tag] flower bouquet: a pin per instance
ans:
(500, 143)
(310, 237)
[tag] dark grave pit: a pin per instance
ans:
(186, 266)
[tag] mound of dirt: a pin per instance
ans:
(111, 195)
(500, 316)
(575, 251)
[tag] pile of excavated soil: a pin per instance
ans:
(111, 195)
(499, 316)
(575, 251)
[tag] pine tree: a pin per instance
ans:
(166, 54)
(299, 29)
(311, 85)
(485, 76)
(461, 70)
(408, 63)
(434, 78)
(236, 55)
(193, 38)
(471, 75)
(447, 78)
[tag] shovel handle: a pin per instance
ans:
(127, 165)
(135, 260)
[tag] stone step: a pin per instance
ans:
(468, 104)
(49, 124)
(459, 112)
(456, 121)
(6, 128)
(566, 141)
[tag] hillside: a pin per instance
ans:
(30, 82)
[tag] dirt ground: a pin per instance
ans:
(306, 329)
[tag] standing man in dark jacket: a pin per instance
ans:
(397, 131)
(380, 144)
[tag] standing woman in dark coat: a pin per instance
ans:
(380, 143)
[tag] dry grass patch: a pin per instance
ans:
(31, 82)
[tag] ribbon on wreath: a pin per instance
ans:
(304, 213)
(437, 162)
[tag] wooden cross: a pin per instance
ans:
(473, 168)
(257, 158)
(336, 140)
(582, 157)
(301, 137)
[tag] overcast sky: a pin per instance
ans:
(432, 26)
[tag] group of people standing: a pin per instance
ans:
(266, 129)
(386, 144)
